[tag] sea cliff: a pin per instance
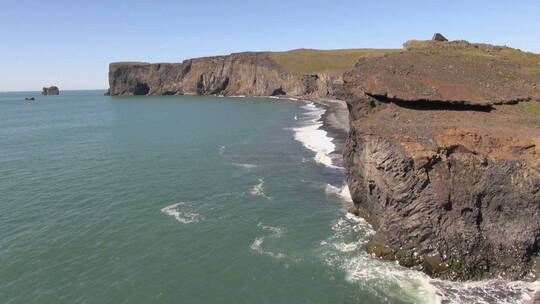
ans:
(443, 158)
(312, 73)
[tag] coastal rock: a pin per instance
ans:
(443, 158)
(439, 37)
(53, 90)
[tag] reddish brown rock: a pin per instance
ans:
(455, 72)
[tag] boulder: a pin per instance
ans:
(439, 37)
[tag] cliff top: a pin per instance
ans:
(455, 72)
(311, 61)
(301, 61)
(124, 63)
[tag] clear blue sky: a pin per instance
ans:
(70, 43)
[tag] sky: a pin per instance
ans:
(70, 43)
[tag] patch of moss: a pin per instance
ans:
(434, 265)
(380, 250)
(530, 107)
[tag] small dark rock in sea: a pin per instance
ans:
(53, 90)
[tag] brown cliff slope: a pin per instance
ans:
(444, 161)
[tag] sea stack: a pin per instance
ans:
(52, 90)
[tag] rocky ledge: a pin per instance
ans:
(443, 158)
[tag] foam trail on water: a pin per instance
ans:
(313, 138)
(245, 166)
(258, 190)
(276, 232)
(183, 217)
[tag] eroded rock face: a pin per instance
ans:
(443, 162)
(250, 74)
(53, 90)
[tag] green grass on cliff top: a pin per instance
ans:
(309, 61)
(530, 107)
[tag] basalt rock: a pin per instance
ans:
(53, 90)
(443, 157)
(249, 74)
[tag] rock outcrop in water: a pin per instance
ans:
(53, 90)
(443, 158)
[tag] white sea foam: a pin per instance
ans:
(183, 217)
(345, 250)
(258, 189)
(276, 232)
(342, 192)
(245, 166)
(313, 138)
(486, 292)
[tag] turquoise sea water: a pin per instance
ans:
(185, 200)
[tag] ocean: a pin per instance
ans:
(189, 199)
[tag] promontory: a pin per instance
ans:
(443, 153)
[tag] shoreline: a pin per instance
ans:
(334, 121)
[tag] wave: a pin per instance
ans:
(245, 166)
(313, 138)
(258, 190)
(345, 250)
(276, 232)
(182, 217)
(342, 192)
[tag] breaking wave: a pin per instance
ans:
(179, 215)
(313, 138)
(345, 250)
(342, 192)
(258, 189)
(276, 232)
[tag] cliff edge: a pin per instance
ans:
(443, 157)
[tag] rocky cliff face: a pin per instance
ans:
(250, 74)
(443, 158)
